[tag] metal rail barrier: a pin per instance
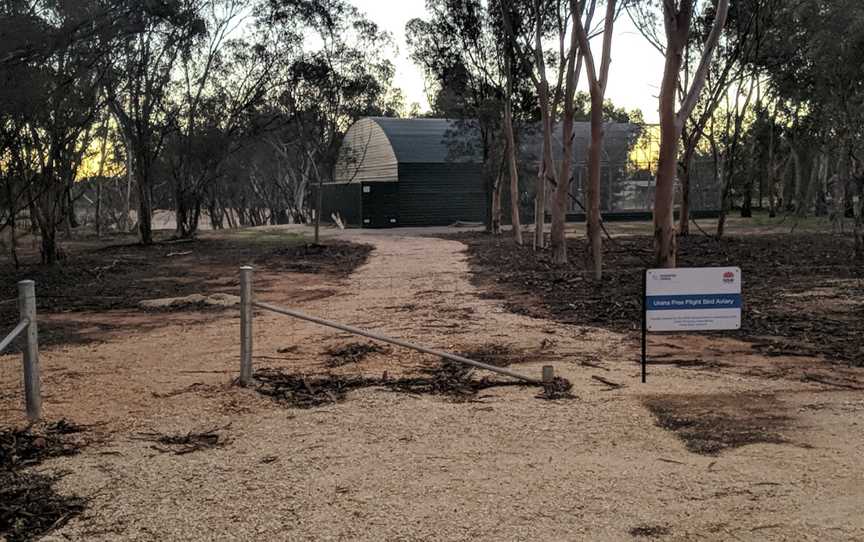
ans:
(247, 303)
(28, 326)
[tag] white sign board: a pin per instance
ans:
(693, 299)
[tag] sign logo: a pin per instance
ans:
(729, 277)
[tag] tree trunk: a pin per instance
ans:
(49, 244)
(771, 171)
(13, 224)
(547, 171)
(496, 203)
(747, 198)
(684, 183)
(145, 207)
(665, 244)
(514, 172)
(592, 189)
(558, 236)
(99, 207)
(772, 199)
(510, 138)
(181, 213)
(562, 189)
(849, 199)
(547, 167)
(859, 224)
(319, 204)
(806, 188)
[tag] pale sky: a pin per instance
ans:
(634, 75)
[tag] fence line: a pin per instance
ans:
(28, 326)
(247, 303)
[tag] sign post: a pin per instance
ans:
(689, 299)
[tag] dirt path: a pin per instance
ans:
(392, 466)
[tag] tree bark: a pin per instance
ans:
(747, 198)
(145, 208)
(514, 172)
(547, 166)
(510, 138)
(597, 86)
(558, 236)
(592, 193)
(684, 183)
(859, 222)
(665, 244)
(496, 203)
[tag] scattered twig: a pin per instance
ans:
(809, 377)
(613, 385)
(185, 444)
(586, 363)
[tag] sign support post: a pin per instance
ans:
(644, 326)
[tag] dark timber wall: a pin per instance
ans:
(344, 199)
(440, 194)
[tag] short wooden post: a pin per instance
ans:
(245, 325)
(32, 383)
(548, 374)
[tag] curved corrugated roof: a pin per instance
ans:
(430, 141)
(374, 146)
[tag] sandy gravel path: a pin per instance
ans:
(391, 466)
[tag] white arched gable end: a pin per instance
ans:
(366, 155)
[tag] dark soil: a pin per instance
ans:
(650, 531)
(21, 448)
(710, 424)
(353, 353)
(187, 443)
(121, 276)
(448, 379)
(782, 312)
(29, 506)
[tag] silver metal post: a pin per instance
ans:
(22, 325)
(245, 325)
(32, 384)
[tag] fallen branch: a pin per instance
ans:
(808, 377)
(613, 385)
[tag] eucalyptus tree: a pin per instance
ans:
(48, 103)
(821, 75)
(139, 82)
(225, 76)
(677, 16)
(476, 75)
(598, 77)
(323, 89)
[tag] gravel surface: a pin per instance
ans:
(390, 465)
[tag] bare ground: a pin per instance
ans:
(733, 445)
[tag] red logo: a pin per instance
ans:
(728, 276)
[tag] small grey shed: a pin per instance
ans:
(407, 172)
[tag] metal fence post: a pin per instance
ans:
(245, 325)
(32, 384)
(548, 374)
